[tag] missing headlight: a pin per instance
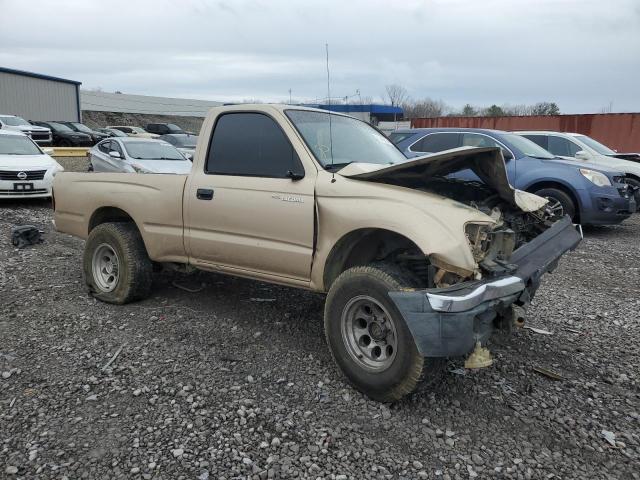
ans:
(490, 245)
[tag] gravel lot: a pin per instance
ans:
(235, 381)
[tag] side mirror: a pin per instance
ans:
(295, 175)
(582, 155)
(114, 154)
(188, 156)
(507, 155)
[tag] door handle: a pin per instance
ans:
(204, 194)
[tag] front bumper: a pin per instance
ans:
(448, 322)
(38, 188)
(608, 206)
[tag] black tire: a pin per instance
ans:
(65, 143)
(404, 373)
(553, 194)
(635, 183)
(134, 268)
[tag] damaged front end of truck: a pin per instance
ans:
(518, 242)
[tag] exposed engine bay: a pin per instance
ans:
(519, 216)
(491, 244)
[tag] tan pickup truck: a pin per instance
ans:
(417, 264)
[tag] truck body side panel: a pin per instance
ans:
(154, 202)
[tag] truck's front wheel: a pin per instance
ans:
(368, 337)
(117, 268)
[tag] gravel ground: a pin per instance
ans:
(73, 164)
(235, 381)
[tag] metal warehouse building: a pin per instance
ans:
(34, 96)
(126, 103)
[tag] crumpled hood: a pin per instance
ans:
(487, 163)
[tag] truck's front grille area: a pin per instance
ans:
(15, 175)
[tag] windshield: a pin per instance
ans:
(152, 151)
(60, 127)
(396, 138)
(346, 141)
(115, 132)
(14, 121)
(526, 146)
(18, 145)
(173, 128)
(81, 128)
(597, 146)
(185, 141)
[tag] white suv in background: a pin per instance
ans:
(575, 146)
(40, 135)
(25, 170)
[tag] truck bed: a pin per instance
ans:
(153, 202)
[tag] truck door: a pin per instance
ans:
(250, 206)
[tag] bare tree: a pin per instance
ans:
(517, 110)
(545, 108)
(396, 94)
(425, 108)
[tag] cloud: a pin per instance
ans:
(581, 54)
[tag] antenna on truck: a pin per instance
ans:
(333, 174)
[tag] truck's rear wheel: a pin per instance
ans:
(368, 338)
(117, 268)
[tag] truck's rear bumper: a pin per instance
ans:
(448, 322)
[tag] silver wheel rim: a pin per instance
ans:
(106, 268)
(369, 333)
(555, 206)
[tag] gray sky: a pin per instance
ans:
(581, 54)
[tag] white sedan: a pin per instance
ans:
(141, 155)
(25, 170)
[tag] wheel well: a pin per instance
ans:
(108, 214)
(558, 186)
(366, 245)
(631, 175)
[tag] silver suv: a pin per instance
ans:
(40, 135)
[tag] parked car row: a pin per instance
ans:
(27, 170)
(77, 134)
(592, 190)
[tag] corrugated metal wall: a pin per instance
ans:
(620, 131)
(38, 99)
(126, 103)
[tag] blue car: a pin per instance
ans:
(591, 196)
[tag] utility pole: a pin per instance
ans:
(289, 96)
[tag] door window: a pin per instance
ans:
(115, 147)
(250, 144)
(105, 147)
(437, 142)
(562, 147)
(476, 140)
(540, 140)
